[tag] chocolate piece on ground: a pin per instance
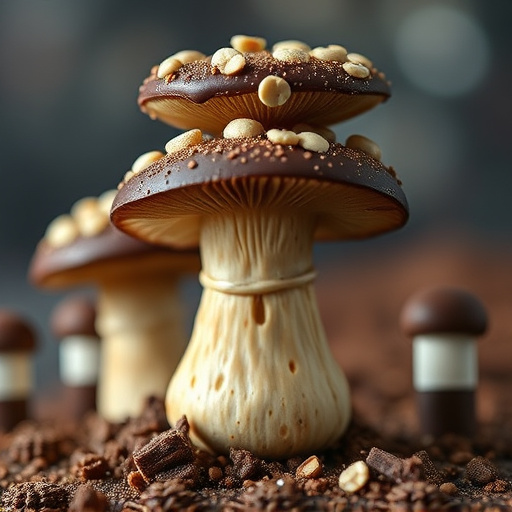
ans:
(394, 468)
(88, 499)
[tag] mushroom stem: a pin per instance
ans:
(258, 373)
(140, 322)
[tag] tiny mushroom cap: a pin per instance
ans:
(75, 314)
(16, 333)
(209, 92)
(443, 310)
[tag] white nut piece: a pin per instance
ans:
(360, 59)
(105, 201)
(291, 44)
(356, 70)
(332, 52)
(274, 91)
(186, 56)
(310, 468)
(284, 137)
(242, 128)
(185, 140)
(354, 477)
(61, 231)
(291, 55)
(325, 132)
(168, 67)
(83, 208)
(313, 142)
(93, 224)
(244, 43)
(234, 65)
(222, 56)
(145, 160)
(364, 144)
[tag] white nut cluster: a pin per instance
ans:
(307, 140)
(354, 477)
(249, 44)
(364, 144)
(228, 61)
(143, 161)
(171, 64)
(88, 217)
(274, 91)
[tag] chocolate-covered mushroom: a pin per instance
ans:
(258, 373)
(72, 322)
(289, 84)
(17, 344)
(140, 318)
(444, 324)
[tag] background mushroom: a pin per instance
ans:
(17, 343)
(444, 324)
(258, 373)
(279, 87)
(73, 324)
(140, 318)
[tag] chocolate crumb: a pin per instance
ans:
(481, 471)
(87, 499)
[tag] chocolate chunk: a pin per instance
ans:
(170, 449)
(87, 499)
(35, 496)
(245, 464)
(394, 468)
(481, 471)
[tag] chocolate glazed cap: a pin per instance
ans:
(16, 335)
(322, 93)
(443, 310)
(351, 194)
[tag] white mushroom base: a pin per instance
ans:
(258, 373)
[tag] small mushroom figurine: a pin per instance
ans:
(444, 324)
(17, 344)
(73, 324)
(140, 318)
(258, 373)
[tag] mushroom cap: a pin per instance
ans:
(74, 315)
(16, 334)
(322, 93)
(351, 194)
(443, 310)
(104, 256)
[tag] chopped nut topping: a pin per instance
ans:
(145, 160)
(242, 128)
(310, 468)
(105, 201)
(168, 66)
(325, 132)
(356, 70)
(313, 142)
(61, 231)
(234, 65)
(274, 91)
(285, 137)
(185, 140)
(357, 58)
(222, 56)
(244, 43)
(291, 44)
(354, 477)
(92, 224)
(186, 56)
(83, 208)
(364, 144)
(290, 55)
(332, 52)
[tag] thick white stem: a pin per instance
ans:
(258, 373)
(141, 326)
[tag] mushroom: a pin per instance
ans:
(17, 343)
(257, 373)
(73, 323)
(140, 318)
(279, 89)
(444, 324)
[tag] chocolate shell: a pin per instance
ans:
(351, 194)
(322, 93)
(443, 310)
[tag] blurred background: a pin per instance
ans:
(70, 125)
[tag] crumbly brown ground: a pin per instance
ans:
(143, 465)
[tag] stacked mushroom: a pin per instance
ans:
(139, 316)
(255, 195)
